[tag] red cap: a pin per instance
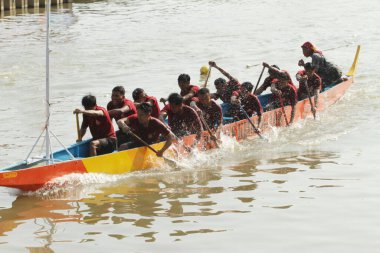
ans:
(308, 45)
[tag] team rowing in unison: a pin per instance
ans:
(141, 122)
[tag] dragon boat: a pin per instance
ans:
(30, 176)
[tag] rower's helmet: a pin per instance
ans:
(204, 70)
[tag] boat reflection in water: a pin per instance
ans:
(145, 201)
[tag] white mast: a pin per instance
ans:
(47, 137)
(48, 150)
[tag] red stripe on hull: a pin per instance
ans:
(33, 178)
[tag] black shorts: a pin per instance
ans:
(122, 138)
(107, 145)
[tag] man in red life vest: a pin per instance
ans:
(285, 93)
(120, 107)
(139, 96)
(249, 102)
(148, 128)
(98, 120)
(188, 91)
(310, 84)
(182, 119)
(208, 108)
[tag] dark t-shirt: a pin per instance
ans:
(289, 94)
(232, 86)
(251, 104)
(184, 123)
(100, 126)
(129, 103)
(314, 83)
(212, 113)
(151, 133)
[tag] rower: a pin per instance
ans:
(268, 81)
(285, 93)
(140, 96)
(98, 120)
(225, 90)
(249, 102)
(120, 107)
(182, 119)
(208, 108)
(329, 72)
(312, 80)
(148, 128)
(188, 91)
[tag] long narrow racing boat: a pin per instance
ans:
(30, 176)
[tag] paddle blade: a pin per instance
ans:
(352, 70)
(171, 163)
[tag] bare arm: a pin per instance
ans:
(163, 116)
(316, 94)
(83, 129)
(169, 140)
(119, 111)
(292, 114)
(225, 73)
(123, 125)
(189, 95)
(91, 113)
(259, 122)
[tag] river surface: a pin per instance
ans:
(313, 188)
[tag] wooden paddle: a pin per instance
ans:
(309, 96)
(258, 81)
(250, 121)
(283, 110)
(208, 75)
(78, 128)
(208, 129)
(169, 161)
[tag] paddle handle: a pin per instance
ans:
(208, 75)
(283, 111)
(78, 128)
(250, 121)
(309, 96)
(143, 142)
(258, 81)
(208, 129)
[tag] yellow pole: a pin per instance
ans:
(352, 70)
(78, 128)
